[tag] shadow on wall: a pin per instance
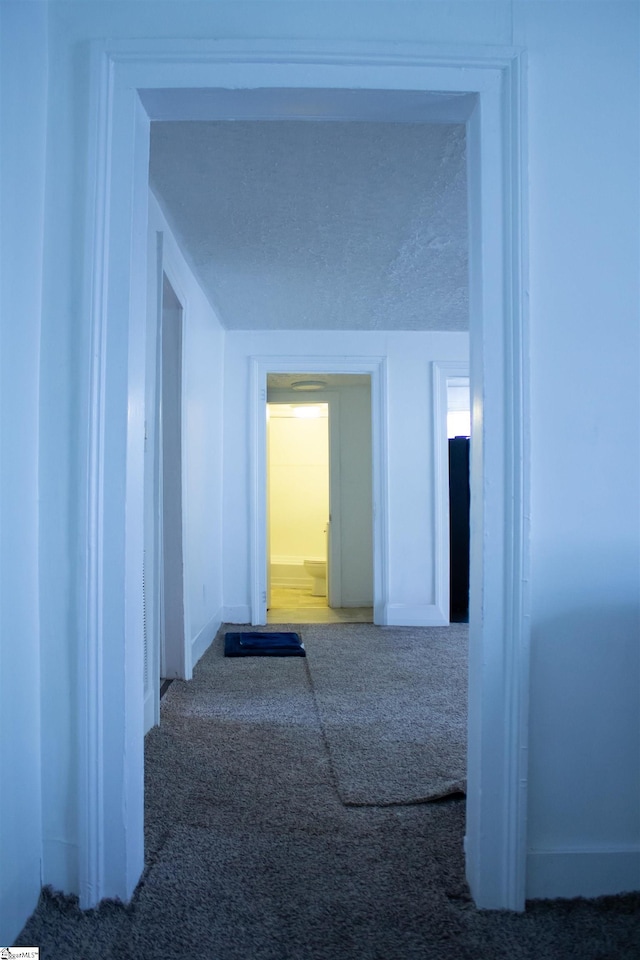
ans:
(585, 728)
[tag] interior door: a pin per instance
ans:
(152, 496)
(172, 573)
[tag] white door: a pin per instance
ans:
(172, 634)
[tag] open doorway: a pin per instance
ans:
(171, 634)
(297, 507)
(496, 836)
(163, 556)
(319, 500)
(459, 442)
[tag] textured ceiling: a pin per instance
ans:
(320, 225)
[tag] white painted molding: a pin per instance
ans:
(91, 680)
(356, 604)
(110, 663)
(110, 841)
(153, 513)
(203, 640)
(290, 582)
(285, 561)
(334, 528)
(516, 492)
(584, 872)
(415, 615)
(380, 490)
(258, 501)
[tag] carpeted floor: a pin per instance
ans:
(393, 709)
(251, 855)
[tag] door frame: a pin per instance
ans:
(260, 368)
(159, 266)
(484, 87)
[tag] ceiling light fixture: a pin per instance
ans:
(309, 386)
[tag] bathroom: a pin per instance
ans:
(298, 444)
(319, 538)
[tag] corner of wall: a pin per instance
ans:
(240, 614)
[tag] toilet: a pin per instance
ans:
(317, 569)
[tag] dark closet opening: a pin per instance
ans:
(459, 502)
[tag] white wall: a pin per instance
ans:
(583, 146)
(203, 354)
(584, 799)
(23, 79)
(411, 470)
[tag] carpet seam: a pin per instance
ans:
(363, 804)
(334, 778)
(457, 792)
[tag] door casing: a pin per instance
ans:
(485, 88)
(260, 368)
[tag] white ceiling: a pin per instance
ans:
(290, 224)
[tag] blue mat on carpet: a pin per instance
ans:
(259, 644)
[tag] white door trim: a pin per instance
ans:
(260, 367)
(334, 536)
(153, 485)
(110, 679)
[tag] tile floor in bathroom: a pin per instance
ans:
(298, 605)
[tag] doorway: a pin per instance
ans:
(323, 478)
(171, 556)
(166, 652)
(356, 564)
(111, 855)
(459, 441)
(298, 509)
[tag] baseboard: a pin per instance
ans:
(592, 872)
(150, 716)
(241, 614)
(347, 604)
(414, 615)
(205, 638)
(287, 560)
(289, 584)
(289, 573)
(59, 865)
(295, 582)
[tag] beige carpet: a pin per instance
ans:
(250, 855)
(392, 703)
